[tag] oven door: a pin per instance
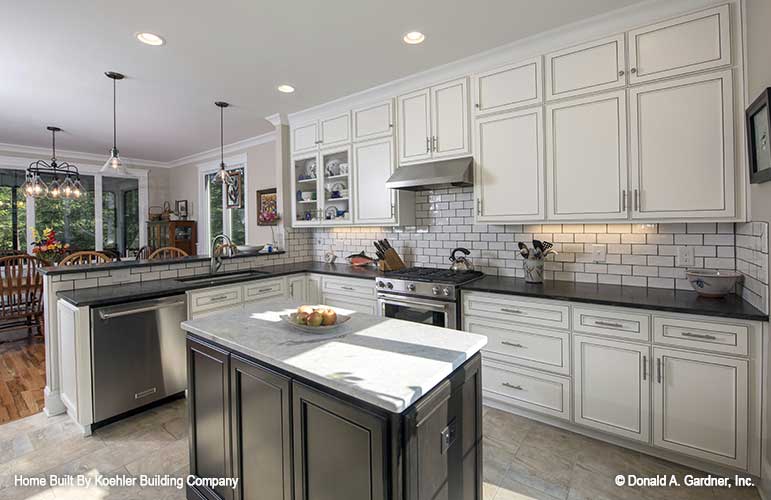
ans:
(427, 312)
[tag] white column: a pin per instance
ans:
(98, 227)
(283, 183)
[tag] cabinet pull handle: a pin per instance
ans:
(351, 289)
(645, 367)
(623, 200)
(435, 143)
(699, 336)
(428, 145)
(633, 70)
(477, 105)
(621, 73)
(513, 311)
(393, 210)
(512, 344)
(611, 325)
(291, 288)
(479, 206)
(658, 370)
(510, 386)
(263, 290)
(145, 393)
(218, 298)
(636, 200)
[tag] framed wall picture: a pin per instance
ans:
(759, 144)
(180, 207)
(235, 190)
(267, 207)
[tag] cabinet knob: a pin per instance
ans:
(621, 73)
(477, 105)
(633, 70)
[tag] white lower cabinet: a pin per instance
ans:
(354, 304)
(612, 386)
(700, 404)
(313, 290)
(298, 287)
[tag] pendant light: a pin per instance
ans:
(223, 174)
(68, 188)
(114, 164)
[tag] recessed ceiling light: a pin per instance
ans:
(150, 39)
(287, 89)
(414, 37)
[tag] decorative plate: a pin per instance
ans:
(333, 167)
(331, 212)
(289, 319)
(310, 168)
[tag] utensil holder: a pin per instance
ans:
(391, 261)
(533, 268)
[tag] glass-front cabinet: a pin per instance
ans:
(322, 187)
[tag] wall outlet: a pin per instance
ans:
(599, 254)
(685, 257)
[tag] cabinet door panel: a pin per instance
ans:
(335, 130)
(612, 386)
(509, 167)
(590, 67)
(682, 45)
(449, 118)
(261, 446)
(314, 295)
(304, 137)
(700, 406)
(683, 168)
(352, 304)
(513, 86)
(298, 288)
(373, 121)
(414, 126)
(373, 165)
(338, 449)
(586, 158)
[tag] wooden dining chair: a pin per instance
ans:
(84, 257)
(167, 253)
(145, 252)
(225, 250)
(21, 293)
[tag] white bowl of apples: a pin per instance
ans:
(315, 319)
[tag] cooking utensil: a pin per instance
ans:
(523, 250)
(538, 246)
(460, 263)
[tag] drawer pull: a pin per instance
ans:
(512, 311)
(218, 298)
(512, 344)
(349, 288)
(517, 387)
(699, 336)
(608, 324)
(263, 290)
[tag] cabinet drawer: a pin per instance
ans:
(529, 389)
(611, 322)
(719, 337)
(218, 298)
(524, 345)
(590, 67)
(364, 306)
(373, 121)
(510, 87)
(350, 287)
(264, 289)
(497, 306)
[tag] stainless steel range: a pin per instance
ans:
(423, 295)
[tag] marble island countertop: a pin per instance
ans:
(387, 362)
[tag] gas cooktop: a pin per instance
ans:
(434, 275)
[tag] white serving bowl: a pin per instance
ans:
(712, 283)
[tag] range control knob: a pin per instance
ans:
(380, 284)
(389, 285)
(411, 287)
(435, 290)
(446, 292)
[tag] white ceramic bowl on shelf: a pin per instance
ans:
(712, 283)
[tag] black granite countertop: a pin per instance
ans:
(127, 264)
(657, 299)
(127, 292)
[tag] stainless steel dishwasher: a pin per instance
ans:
(137, 354)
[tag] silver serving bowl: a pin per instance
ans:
(712, 283)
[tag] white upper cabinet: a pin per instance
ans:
(434, 122)
(509, 87)
(305, 137)
(700, 406)
(371, 122)
(414, 111)
(590, 67)
(682, 148)
(374, 163)
(509, 166)
(335, 130)
(450, 119)
(586, 163)
(682, 45)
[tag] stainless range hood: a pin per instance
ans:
(434, 175)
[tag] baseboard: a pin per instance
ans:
(53, 403)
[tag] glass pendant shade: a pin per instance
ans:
(39, 188)
(223, 175)
(55, 189)
(114, 164)
(77, 189)
(67, 188)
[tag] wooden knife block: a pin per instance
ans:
(391, 261)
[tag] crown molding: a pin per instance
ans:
(278, 119)
(38, 152)
(229, 150)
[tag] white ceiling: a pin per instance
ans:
(53, 54)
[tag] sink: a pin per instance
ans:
(219, 277)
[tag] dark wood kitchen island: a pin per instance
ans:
(378, 409)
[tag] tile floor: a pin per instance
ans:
(534, 461)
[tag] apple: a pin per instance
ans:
(304, 309)
(301, 318)
(329, 317)
(315, 319)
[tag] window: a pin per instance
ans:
(229, 221)
(120, 214)
(72, 220)
(13, 211)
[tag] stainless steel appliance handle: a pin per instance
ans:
(411, 303)
(137, 310)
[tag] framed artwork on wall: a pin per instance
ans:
(235, 190)
(758, 118)
(180, 208)
(267, 207)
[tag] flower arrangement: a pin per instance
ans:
(268, 217)
(48, 247)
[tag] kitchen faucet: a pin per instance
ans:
(216, 259)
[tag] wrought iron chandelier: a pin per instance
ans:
(66, 177)
(222, 174)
